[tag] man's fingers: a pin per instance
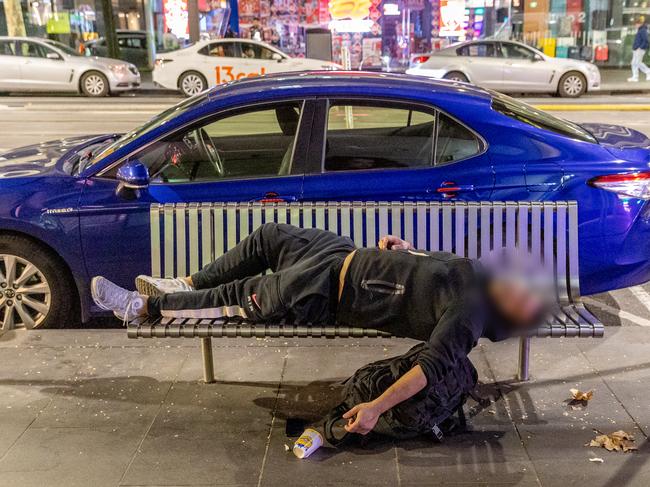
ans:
(383, 242)
(351, 412)
(353, 426)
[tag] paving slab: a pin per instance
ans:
(69, 457)
(553, 433)
(105, 410)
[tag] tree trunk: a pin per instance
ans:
(14, 15)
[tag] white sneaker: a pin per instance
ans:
(153, 286)
(633, 79)
(126, 305)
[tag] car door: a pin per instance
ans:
(387, 150)
(219, 62)
(524, 69)
(484, 64)
(42, 68)
(9, 67)
(260, 158)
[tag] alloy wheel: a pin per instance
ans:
(94, 84)
(573, 85)
(25, 296)
(192, 84)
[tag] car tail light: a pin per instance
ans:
(635, 184)
(161, 62)
(420, 59)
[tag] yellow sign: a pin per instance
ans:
(349, 9)
(59, 23)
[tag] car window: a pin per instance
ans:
(7, 48)
(131, 42)
(515, 51)
(365, 136)
(254, 51)
(537, 118)
(455, 141)
(219, 49)
(31, 49)
(249, 144)
(481, 49)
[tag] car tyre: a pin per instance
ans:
(192, 83)
(572, 85)
(94, 84)
(456, 76)
(36, 291)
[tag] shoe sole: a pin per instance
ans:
(147, 288)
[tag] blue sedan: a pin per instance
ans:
(76, 208)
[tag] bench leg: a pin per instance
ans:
(524, 358)
(208, 362)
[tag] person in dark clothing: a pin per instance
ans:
(639, 48)
(447, 301)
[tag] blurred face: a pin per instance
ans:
(517, 302)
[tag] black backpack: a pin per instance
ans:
(430, 412)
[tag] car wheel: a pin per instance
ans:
(35, 290)
(456, 76)
(572, 85)
(192, 83)
(94, 83)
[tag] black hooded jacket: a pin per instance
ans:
(436, 297)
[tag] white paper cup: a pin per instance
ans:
(310, 441)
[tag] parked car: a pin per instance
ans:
(28, 64)
(132, 45)
(76, 208)
(508, 67)
(209, 63)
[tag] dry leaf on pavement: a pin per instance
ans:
(617, 441)
(578, 395)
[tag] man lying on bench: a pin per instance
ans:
(321, 278)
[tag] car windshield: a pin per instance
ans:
(152, 124)
(537, 118)
(59, 45)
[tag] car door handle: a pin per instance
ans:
(273, 197)
(449, 189)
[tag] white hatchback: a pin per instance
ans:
(209, 63)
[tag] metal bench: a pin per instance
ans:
(185, 237)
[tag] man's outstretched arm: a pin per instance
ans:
(363, 417)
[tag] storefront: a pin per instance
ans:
(377, 34)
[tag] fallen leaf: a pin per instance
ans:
(578, 395)
(616, 441)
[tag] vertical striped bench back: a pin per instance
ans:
(187, 236)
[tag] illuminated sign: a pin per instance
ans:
(175, 12)
(452, 16)
(391, 9)
(349, 9)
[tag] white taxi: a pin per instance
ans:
(209, 63)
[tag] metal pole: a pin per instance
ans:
(109, 29)
(151, 33)
(524, 358)
(193, 20)
(14, 18)
(208, 362)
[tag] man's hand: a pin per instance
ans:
(362, 418)
(391, 242)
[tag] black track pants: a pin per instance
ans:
(302, 288)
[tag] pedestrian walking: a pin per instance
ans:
(639, 49)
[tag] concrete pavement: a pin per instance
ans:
(89, 407)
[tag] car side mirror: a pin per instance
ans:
(133, 175)
(277, 57)
(537, 58)
(53, 55)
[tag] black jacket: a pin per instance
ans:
(436, 297)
